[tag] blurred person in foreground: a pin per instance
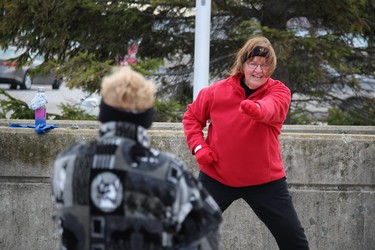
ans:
(241, 158)
(119, 193)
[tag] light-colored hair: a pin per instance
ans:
(127, 89)
(245, 52)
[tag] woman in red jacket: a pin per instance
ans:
(240, 157)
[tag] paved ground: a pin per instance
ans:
(55, 97)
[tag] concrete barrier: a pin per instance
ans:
(331, 174)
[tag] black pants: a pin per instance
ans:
(271, 202)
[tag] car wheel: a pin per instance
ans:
(13, 86)
(27, 81)
(56, 84)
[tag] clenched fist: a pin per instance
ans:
(205, 156)
(251, 108)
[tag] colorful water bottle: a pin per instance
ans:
(39, 105)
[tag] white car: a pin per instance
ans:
(10, 74)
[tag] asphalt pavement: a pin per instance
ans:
(57, 97)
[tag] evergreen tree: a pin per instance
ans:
(320, 44)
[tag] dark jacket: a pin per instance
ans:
(120, 193)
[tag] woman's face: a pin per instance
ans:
(255, 70)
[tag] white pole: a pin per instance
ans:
(202, 45)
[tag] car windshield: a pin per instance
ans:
(11, 52)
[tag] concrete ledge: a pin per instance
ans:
(331, 174)
(321, 129)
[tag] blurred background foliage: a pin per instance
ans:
(323, 48)
(14, 108)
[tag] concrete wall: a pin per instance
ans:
(331, 174)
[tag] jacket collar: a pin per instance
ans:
(236, 82)
(127, 130)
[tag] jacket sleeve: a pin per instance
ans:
(195, 118)
(200, 226)
(275, 104)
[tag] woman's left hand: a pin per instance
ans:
(251, 108)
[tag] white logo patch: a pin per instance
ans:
(106, 192)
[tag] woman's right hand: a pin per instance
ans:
(205, 156)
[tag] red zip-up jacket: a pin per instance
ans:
(248, 150)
